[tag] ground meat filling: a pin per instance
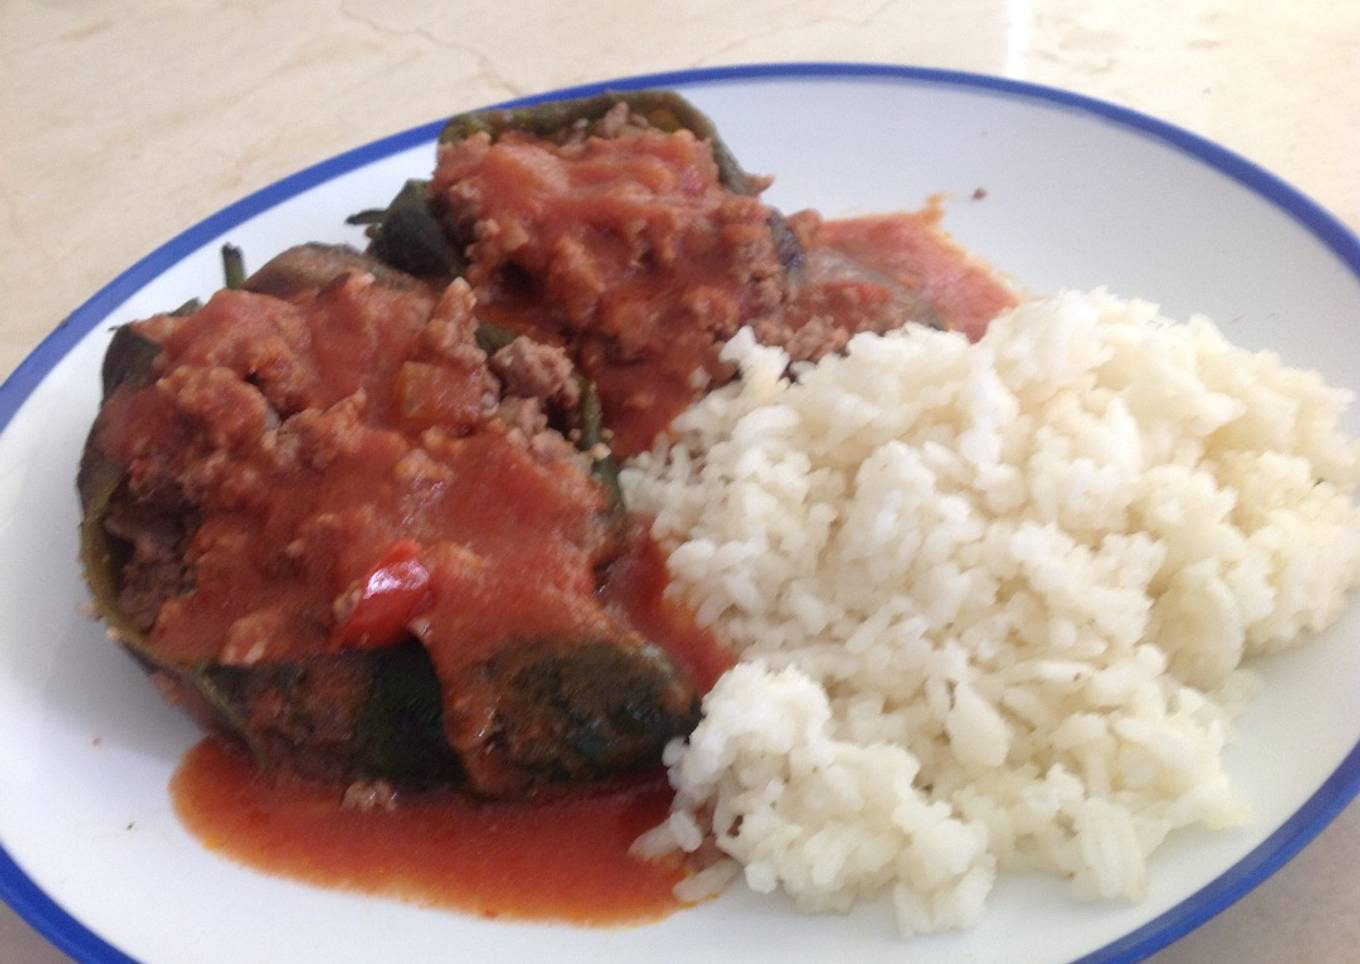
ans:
(293, 454)
(619, 243)
(531, 370)
(156, 568)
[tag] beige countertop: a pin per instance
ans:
(121, 124)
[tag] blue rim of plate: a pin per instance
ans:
(72, 937)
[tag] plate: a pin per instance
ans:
(1078, 193)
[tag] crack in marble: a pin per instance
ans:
(486, 72)
(717, 53)
(864, 21)
(803, 24)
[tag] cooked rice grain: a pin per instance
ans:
(991, 598)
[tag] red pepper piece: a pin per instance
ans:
(395, 591)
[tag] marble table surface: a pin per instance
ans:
(123, 123)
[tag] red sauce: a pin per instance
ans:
(561, 859)
(913, 250)
(563, 856)
(414, 505)
(293, 519)
(631, 253)
(637, 586)
(629, 249)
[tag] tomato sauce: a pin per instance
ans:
(398, 510)
(562, 855)
(292, 519)
(632, 254)
(637, 587)
(563, 858)
(629, 249)
(914, 251)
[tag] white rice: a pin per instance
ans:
(991, 599)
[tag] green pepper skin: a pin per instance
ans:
(492, 338)
(578, 710)
(233, 267)
(605, 468)
(129, 361)
(309, 267)
(408, 235)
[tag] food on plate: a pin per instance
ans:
(338, 529)
(991, 599)
(987, 570)
(357, 513)
(622, 229)
(562, 854)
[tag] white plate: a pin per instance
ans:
(1079, 193)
